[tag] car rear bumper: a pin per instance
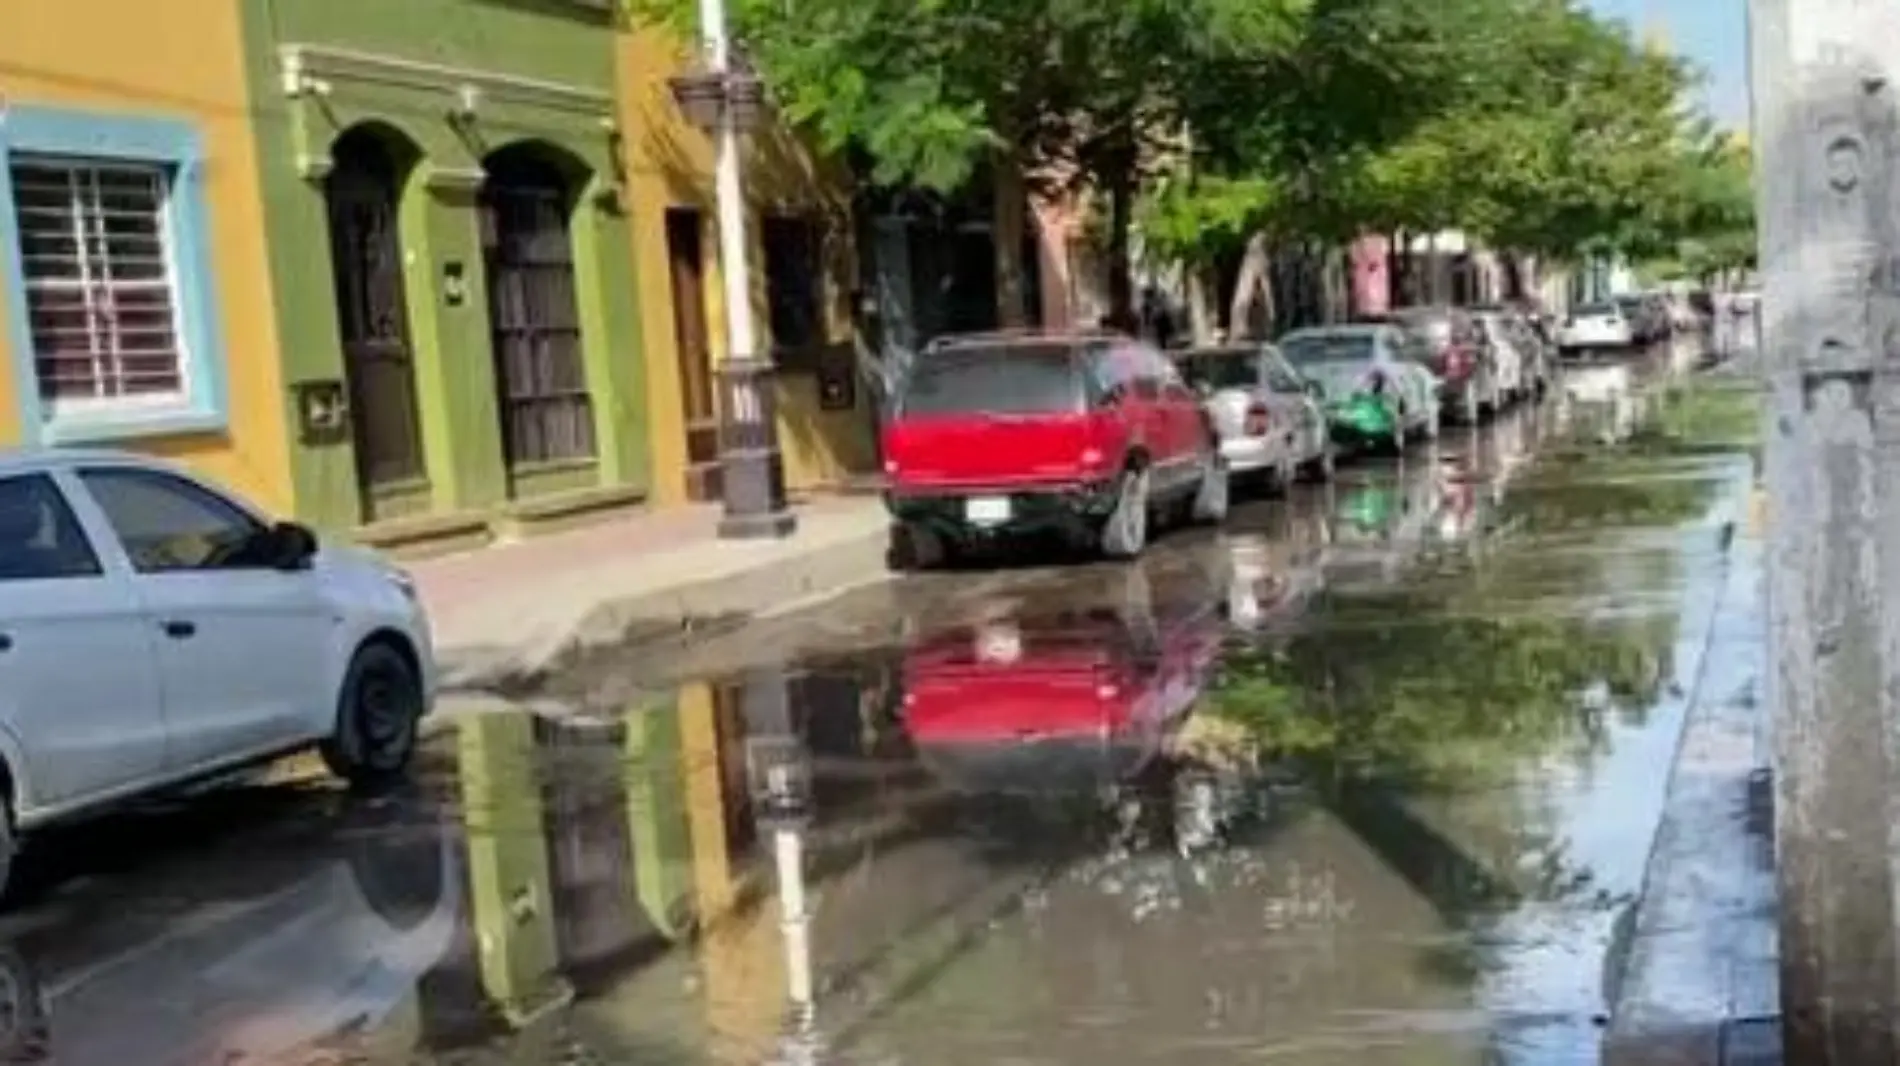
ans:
(1069, 507)
(1595, 339)
(1351, 426)
(1247, 455)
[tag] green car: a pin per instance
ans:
(1373, 398)
(1365, 419)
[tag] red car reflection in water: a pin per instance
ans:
(1064, 702)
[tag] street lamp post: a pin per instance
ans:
(726, 102)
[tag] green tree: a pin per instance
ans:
(1560, 142)
(1705, 221)
(932, 93)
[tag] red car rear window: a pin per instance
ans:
(1006, 379)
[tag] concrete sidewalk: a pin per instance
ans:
(509, 611)
(1698, 985)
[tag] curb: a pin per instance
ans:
(1699, 958)
(476, 679)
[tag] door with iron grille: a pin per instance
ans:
(546, 414)
(373, 318)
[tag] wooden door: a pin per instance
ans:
(547, 416)
(373, 319)
(685, 229)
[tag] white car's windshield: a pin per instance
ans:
(1305, 350)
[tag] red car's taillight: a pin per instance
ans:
(1258, 420)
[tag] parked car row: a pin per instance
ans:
(1627, 321)
(1097, 439)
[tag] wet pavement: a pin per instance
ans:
(1368, 776)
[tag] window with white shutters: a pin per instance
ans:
(102, 299)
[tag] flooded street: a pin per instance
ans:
(1368, 776)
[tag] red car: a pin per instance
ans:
(1090, 436)
(1056, 702)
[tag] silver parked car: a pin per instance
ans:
(1268, 420)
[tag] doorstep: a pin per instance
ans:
(540, 515)
(428, 536)
(425, 536)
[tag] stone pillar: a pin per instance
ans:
(1825, 144)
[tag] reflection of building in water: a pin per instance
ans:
(580, 865)
(617, 840)
(641, 878)
(510, 890)
(740, 961)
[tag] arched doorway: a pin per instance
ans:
(546, 413)
(362, 192)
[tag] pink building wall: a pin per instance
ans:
(1371, 283)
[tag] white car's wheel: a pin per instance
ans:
(1322, 469)
(1213, 497)
(378, 715)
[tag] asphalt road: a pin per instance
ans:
(1367, 776)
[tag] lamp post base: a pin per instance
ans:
(771, 525)
(750, 467)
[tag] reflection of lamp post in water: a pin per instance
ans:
(778, 773)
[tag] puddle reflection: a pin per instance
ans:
(1323, 788)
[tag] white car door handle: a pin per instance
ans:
(178, 629)
(6, 642)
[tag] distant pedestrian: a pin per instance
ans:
(1158, 318)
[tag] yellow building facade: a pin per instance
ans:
(135, 118)
(172, 105)
(800, 213)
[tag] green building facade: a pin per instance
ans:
(451, 260)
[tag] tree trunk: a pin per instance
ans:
(1338, 274)
(1008, 222)
(1199, 305)
(1513, 275)
(1395, 270)
(1121, 270)
(1251, 306)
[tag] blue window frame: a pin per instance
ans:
(36, 140)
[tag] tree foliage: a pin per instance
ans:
(1535, 125)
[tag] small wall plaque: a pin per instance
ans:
(454, 283)
(837, 374)
(323, 410)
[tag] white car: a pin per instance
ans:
(155, 630)
(1594, 327)
(1267, 420)
(1515, 364)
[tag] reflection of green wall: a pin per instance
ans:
(509, 887)
(657, 817)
